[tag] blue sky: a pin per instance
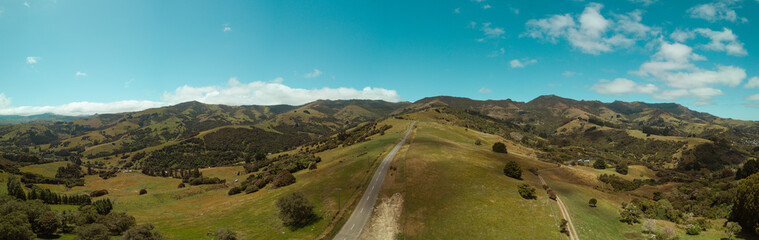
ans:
(86, 57)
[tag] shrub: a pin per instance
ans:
(477, 142)
(692, 229)
(312, 166)
(93, 231)
(599, 164)
(282, 179)
(513, 170)
(592, 202)
(746, 204)
(731, 228)
(117, 222)
(295, 210)
(622, 168)
(533, 170)
(630, 214)
(224, 234)
(142, 232)
(563, 227)
(234, 190)
(551, 194)
(103, 206)
(181, 185)
(649, 226)
(499, 147)
(143, 191)
(98, 193)
(251, 189)
(527, 191)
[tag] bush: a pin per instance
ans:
(117, 222)
(592, 202)
(295, 210)
(563, 227)
(622, 168)
(224, 234)
(599, 164)
(513, 170)
(499, 147)
(142, 232)
(527, 191)
(143, 191)
(312, 166)
(98, 193)
(731, 228)
(251, 189)
(692, 229)
(234, 190)
(746, 204)
(551, 194)
(103, 206)
(630, 214)
(477, 142)
(282, 179)
(181, 185)
(93, 231)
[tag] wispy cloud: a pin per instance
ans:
(457, 10)
(313, 74)
(485, 90)
(621, 86)
(492, 32)
(26, 4)
(486, 6)
(723, 41)
(227, 28)
(497, 53)
(716, 11)
(32, 60)
(516, 63)
(752, 83)
(81, 74)
(570, 74)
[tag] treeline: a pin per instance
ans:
(277, 172)
(189, 176)
(620, 184)
(50, 197)
(347, 138)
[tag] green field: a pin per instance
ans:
(47, 169)
(454, 189)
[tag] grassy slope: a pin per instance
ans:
(47, 169)
(191, 212)
(454, 189)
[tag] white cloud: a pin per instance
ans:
(516, 63)
(702, 95)
(570, 74)
(752, 83)
(621, 86)
(227, 28)
(715, 11)
(486, 6)
(682, 35)
(457, 10)
(4, 101)
(725, 75)
(645, 2)
(670, 57)
(26, 4)
(592, 33)
(485, 90)
(514, 10)
(754, 97)
(492, 32)
(723, 41)
(313, 74)
(235, 93)
(32, 60)
(269, 93)
(81, 74)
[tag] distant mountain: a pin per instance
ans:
(561, 128)
(47, 117)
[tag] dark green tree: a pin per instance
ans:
(117, 222)
(512, 169)
(592, 202)
(48, 223)
(282, 179)
(15, 189)
(142, 232)
(15, 226)
(746, 203)
(499, 147)
(103, 206)
(295, 210)
(749, 167)
(599, 164)
(93, 231)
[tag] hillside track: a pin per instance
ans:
(565, 214)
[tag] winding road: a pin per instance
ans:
(360, 216)
(565, 213)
